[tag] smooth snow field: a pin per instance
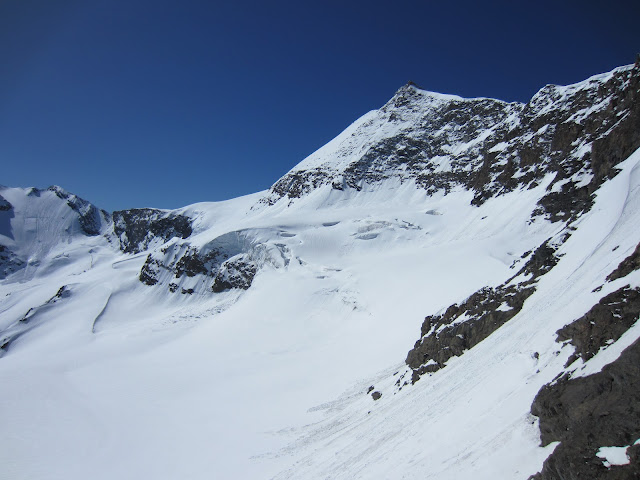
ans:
(117, 379)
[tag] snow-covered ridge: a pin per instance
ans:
(36, 224)
(430, 295)
(414, 134)
(489, 147)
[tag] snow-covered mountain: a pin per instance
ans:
(449, 289)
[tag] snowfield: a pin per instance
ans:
(112, 378)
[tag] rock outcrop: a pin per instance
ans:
(463, 326)
(139, 228)
(573, 136)
(587, 413)
(230, 261)
(603, 325)
(628, 265)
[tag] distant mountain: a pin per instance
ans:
(448, 289)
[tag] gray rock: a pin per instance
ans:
(628, 265)
(587, 413)
(138, 227)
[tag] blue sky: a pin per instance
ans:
(134, 103)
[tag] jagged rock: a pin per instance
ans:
(9, 262)
(376, 395)
(599, 410)
(137, 228)
(409, 154)
(63, 292)
(590, 412)
(604, 324)
(566, 204)
(5, 206)
(235, 273)
(463, 326)
(190, 264)
(193, 263)
(628, 265)
(543, 259)
(150, 270)
(227, 262)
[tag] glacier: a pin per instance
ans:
(362, 318)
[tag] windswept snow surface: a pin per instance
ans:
(614, 455)
(106, 377)
(121, 380)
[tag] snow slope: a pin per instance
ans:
(471, 419)
(108, 373)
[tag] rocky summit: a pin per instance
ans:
(449, 289)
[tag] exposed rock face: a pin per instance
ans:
(422, 130)
(9, 262)
(463, 326)
(574, 136)
(225, 263)
(192, 263)
(588, 413)
(137, 228)
(4, 205)
(628, 265)
(235, 273)
(603, 325)
(542, 260)
(150, 271)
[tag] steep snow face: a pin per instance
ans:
(470, 418)
(32, 216)
(268, 336)
(38, 226)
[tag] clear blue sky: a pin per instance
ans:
(132, 103)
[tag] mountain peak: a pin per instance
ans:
(442, 142)
(411, 94)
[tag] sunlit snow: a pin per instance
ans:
(117, 379)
